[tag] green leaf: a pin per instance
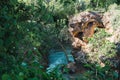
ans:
(1, 42)
(6, 77)
(115, 74)
(35, 78)
(13, 2)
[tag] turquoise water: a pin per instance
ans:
(57, 57)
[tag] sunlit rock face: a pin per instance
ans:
(111, 20)
(98, 45)
(82, 26)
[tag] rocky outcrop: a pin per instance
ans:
(102, 46)
(82, 26)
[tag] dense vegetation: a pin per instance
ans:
(30, 28)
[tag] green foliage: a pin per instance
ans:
(25, 40)
(62, 8)
(114, 18)
(101, 3)
(97, 72)
(28, 29)
(31, 71)
(100, 48)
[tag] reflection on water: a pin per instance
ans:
(58, 57)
